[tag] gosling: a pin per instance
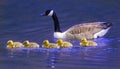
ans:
(28, 44)
(64, 44)
(85, 42)
(11, 44)
(47, 44)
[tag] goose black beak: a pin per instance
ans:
(43, 14)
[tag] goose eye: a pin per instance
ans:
(47, 12)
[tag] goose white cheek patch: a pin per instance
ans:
(51, 13)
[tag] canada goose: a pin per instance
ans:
(11, 44)
(47, 44)
(85, 42)
(76, 32)
(64, 44)
(28, 44)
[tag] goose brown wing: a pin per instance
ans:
(84, 30)
(85, 27)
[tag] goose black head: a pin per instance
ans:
(55, 19)
(48, 13)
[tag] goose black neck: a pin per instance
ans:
(56, 23)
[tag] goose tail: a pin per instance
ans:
(106, 25)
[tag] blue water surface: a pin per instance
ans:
(20, 20)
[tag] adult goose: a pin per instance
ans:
(84, 30)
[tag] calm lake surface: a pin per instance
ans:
(20, 20)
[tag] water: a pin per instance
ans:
(20, 20)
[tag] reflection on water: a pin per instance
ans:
(68, 58)
(20, 20)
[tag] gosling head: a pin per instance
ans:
(45, 42)
(26, 43)
(60, 42)
(84, 40)
(10, 43)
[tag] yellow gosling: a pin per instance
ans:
(11, 44)
(64, 44)
(92, 43)
(47, 44)
(28, 44)
(85, 42)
